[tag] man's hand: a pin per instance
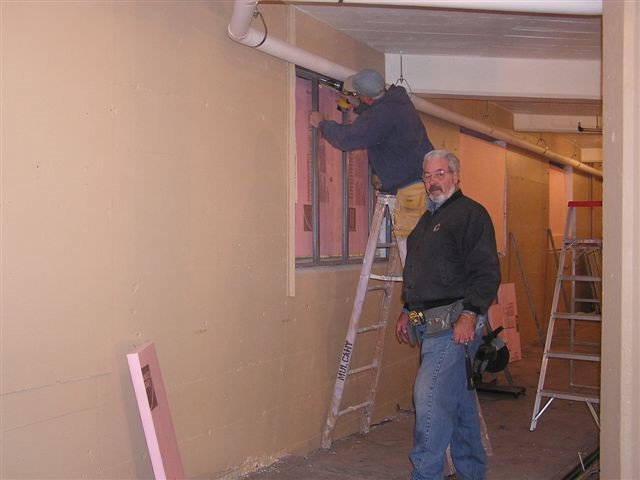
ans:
(353, 100)
(401, 328)
(376, 182)
(464, 330)
(315, 118)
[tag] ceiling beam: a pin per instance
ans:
(496, 77)
(567, 7)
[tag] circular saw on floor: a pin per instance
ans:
(493, 357)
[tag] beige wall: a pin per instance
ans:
(144, 191)
(146, 180)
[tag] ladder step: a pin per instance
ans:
(377, 326)
(371, 366)
(590, 387)
(586, 300)
(593, 317)
(385, 245)
(568, 396)
(587, 357)
(353, 408)
(579, 278)
(386, 278)
(583, 243)
(374, 288)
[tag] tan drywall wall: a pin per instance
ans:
(144, 197)
(320, 324)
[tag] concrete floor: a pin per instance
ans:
(565, 433)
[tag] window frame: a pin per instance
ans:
(344, 258)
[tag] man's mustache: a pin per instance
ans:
(435, 188)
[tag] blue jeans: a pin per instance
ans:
(446, 412)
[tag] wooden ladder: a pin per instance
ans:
(369, 282)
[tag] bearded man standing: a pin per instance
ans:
(451, 277)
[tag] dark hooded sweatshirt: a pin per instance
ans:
(393, 134)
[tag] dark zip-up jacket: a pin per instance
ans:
(452, 254)
(393, 134)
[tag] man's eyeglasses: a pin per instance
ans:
(438, 175)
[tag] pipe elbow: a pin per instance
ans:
(234, 37)
(241, 17)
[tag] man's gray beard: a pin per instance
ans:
(442, 197)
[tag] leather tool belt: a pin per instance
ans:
(437, 320)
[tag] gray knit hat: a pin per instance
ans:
(368, 83)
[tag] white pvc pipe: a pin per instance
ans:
(240, 22)
(240, 31)
(569, 7)
(430, 108)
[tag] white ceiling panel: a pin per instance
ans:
(432, 32)
(428, 31)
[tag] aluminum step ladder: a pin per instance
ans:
(369, 282)
(579, 269)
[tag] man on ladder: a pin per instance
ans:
(391, 130)
(451, 277)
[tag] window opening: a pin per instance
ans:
(334, 193)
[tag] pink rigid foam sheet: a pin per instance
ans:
(155, 413)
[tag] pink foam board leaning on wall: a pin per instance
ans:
(155, 413)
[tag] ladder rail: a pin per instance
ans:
(554, 249)
(580, 249)
(393, 264)
(537, 412)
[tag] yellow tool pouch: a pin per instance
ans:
(411, 203)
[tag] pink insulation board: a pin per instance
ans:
(155, 413)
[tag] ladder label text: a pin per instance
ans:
(344, 361)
